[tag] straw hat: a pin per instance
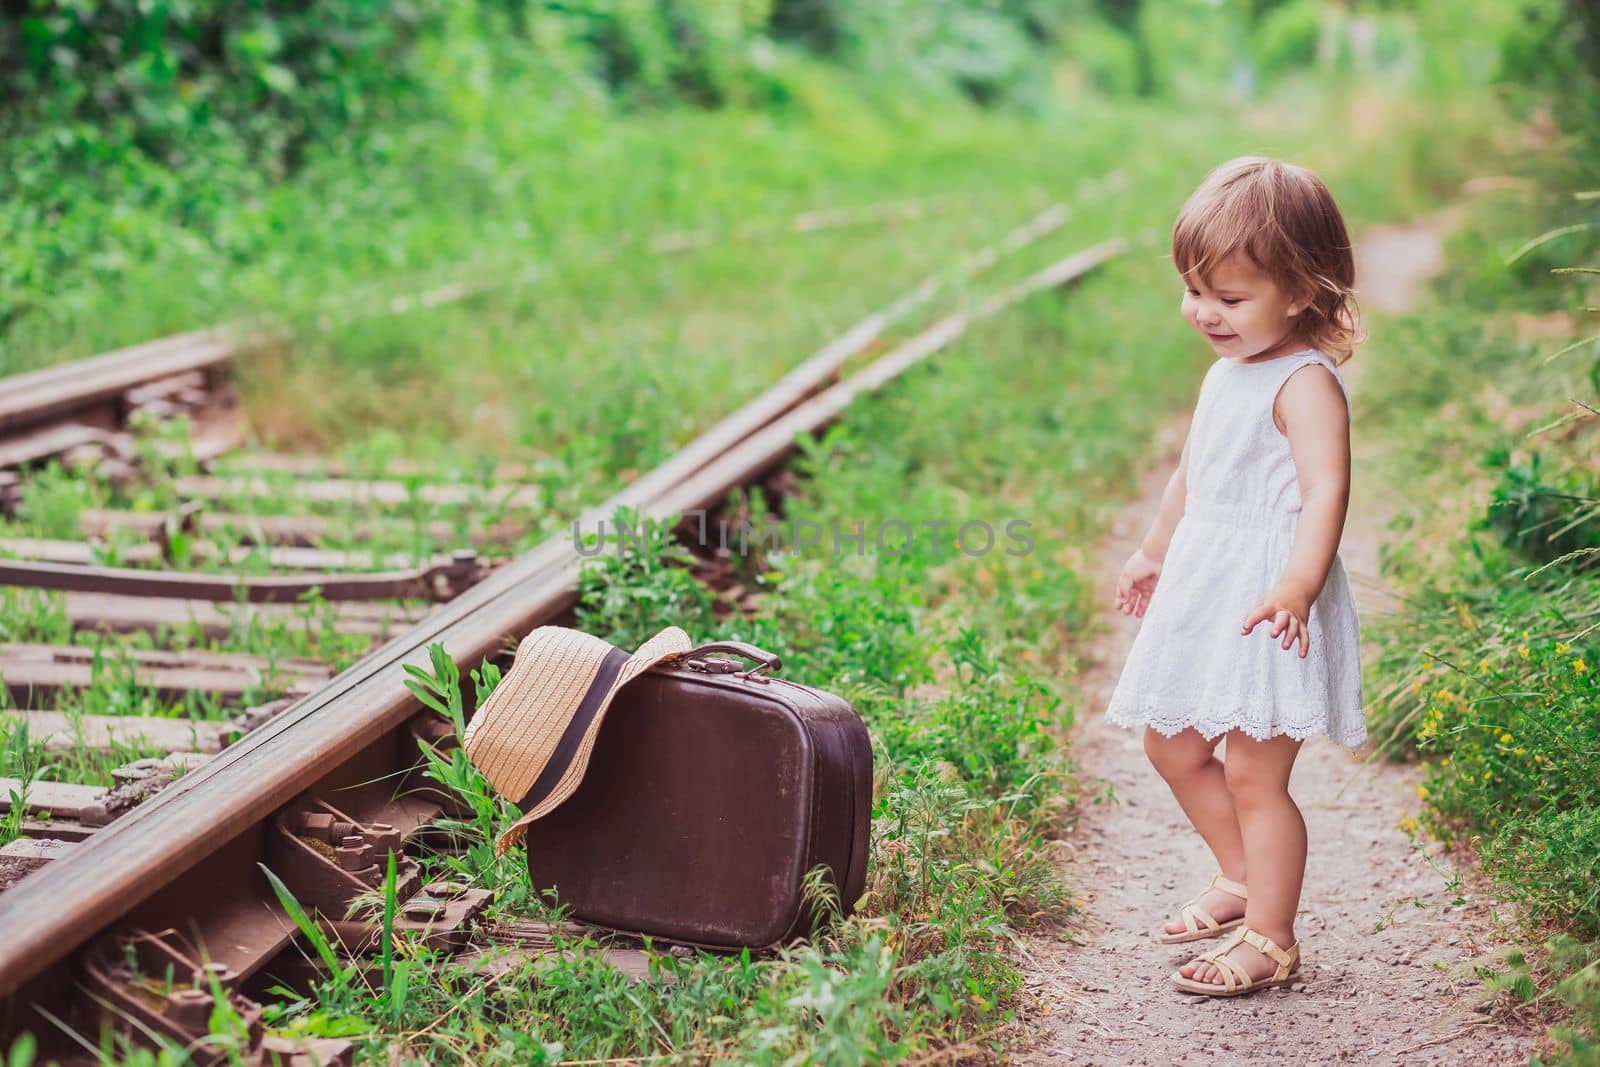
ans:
(532, 738)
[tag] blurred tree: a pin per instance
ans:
(149, 71)
(993, 50)
(1554, 45)
(1124, 15)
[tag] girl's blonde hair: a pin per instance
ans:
(1284, 220)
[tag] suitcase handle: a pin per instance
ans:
(767, 660)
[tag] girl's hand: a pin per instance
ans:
(1288, 611)
(1136, 583)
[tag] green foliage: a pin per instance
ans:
(1490, 670)
(151, 76)
(147, 140)
(20, 758)
(1190, 49)
(52, 500)
(466, 131)
(1514, 733)
(1110, 59)
(694, 50)
(991, 51)
(1543, 517)
(1572, 971)
(23, 1049)
(993, 730)
(1554, 46)
(341, 972)
(472, 835)
(627, 592)
(1285, 38)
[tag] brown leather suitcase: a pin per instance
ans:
(710, 793)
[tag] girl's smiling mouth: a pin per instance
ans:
(1219, 337)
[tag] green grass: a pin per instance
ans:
(1488, 673)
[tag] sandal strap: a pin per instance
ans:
(1233, 975)
(1191, 911)
(1285, 958)
(1223, 947)
(1228, 885)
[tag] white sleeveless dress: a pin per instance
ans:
(1189, 665)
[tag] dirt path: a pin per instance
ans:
(1385, 927)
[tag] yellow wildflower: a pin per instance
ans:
(1506, 739)
(1422, 792)
(1522, 650)
(1483, 665)
(1579, 666)
(1519, 751)
(1560, 648)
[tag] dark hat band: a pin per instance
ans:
(610, 666)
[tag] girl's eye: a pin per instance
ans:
(1192, 292)
(1231, 301)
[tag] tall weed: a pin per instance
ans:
(1489, 670)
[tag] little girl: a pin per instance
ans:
(1249, 629)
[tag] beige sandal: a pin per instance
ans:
(1198, 923)
(1235, 979)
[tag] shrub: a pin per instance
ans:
(1490, 670)
(1286, 37)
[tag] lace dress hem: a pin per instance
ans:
(1344, 728)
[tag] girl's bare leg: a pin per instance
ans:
(1257, 777)
(1188, 763)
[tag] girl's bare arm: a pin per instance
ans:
(1137, 582)
(1159, 536)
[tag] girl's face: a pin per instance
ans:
(1242, 311)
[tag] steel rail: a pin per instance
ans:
(759, 452)
(434, 580)
(38, 396)
(48, 915)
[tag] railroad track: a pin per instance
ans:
(240, 538)
(162, 874)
